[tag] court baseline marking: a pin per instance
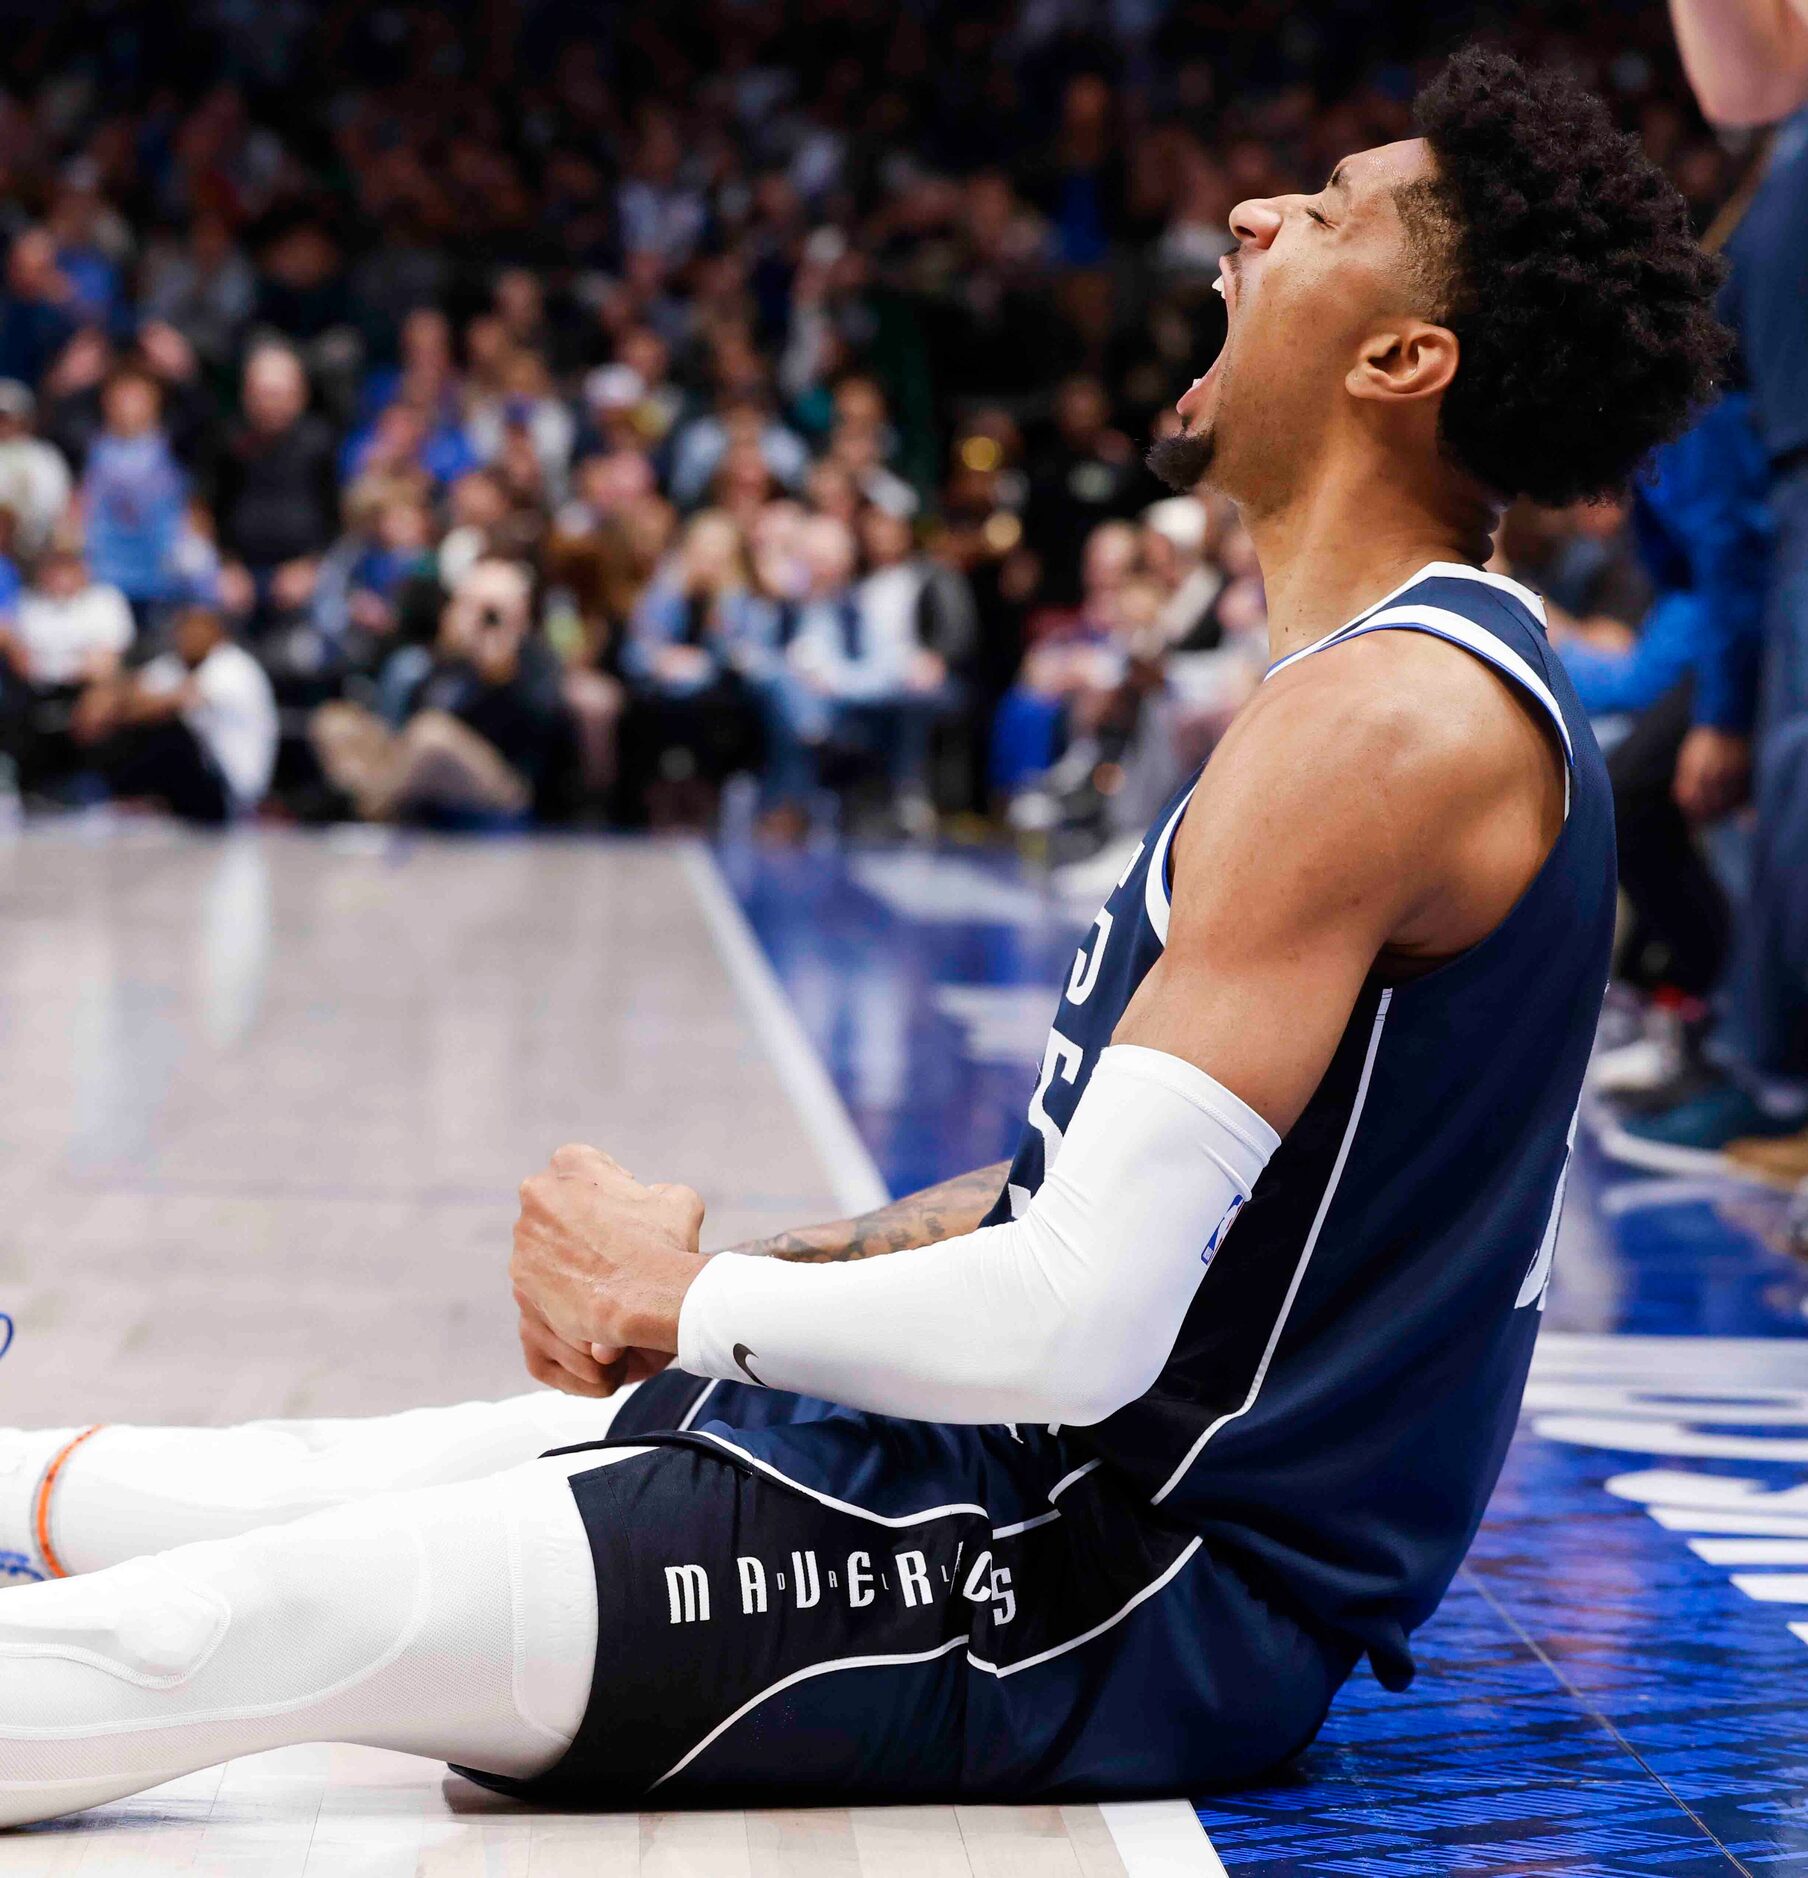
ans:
(1154, 1838)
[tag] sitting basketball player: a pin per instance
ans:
(1103, 1479)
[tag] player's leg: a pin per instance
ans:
(77, 1500)
(459, 1622)
(443, 763)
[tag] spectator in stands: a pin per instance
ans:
(743, 413)
(1072, 652)
(689, 721)
(34, 477)
(485, 312)
(203, 286)
(477, 722)
(1088, 473)
(133, 493)
(37, 310)
(869, 681)
(523, 405)
(67, 632)
(93, 244)
(277, 496)
(194, 730)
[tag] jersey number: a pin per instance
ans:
(1061, 1058)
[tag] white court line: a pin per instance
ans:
(1162, 1839)
(1154, 1838)
(855, 1178)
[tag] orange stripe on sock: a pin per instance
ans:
(46, 1487)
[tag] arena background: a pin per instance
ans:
(511, 400)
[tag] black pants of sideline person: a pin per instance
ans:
(1681, 923)
(167, 763)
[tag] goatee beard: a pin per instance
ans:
(1182, 460)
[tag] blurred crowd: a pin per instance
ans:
(628, 416)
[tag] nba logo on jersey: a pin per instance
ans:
(1223, 1226)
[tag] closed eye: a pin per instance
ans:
(1317, 217)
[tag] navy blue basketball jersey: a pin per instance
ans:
(1339, 1401)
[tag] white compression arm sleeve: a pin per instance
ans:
(1064, 1315)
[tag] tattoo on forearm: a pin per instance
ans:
(919, 1219)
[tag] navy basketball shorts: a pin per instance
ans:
(803, 1601)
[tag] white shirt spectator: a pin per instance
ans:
(879, 617)
(34, 484)
(233, 717)
(62, 637)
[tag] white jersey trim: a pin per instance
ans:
(1432, 570)
(1461, 570)
(1443, 624)
(1098, 1630)
(946, 1648)
(804, 1675)
(1440, 623)
(1138, 1598)
(845, 1506)
(1305, 1258)
(1155, 881)
(690, 1414)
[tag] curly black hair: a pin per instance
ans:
(1564, 263)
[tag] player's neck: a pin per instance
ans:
(1333, 552)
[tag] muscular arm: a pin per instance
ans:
(1388, 801)
(1746, 59)
(945, 1211)
(941, 1212)
(1381, 802)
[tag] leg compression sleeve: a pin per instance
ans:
(459, 1622)
(1064, 1315)
(74, 1501)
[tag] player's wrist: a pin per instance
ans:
(648, 1317)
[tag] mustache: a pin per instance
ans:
(1182, 461)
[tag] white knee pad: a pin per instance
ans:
(458, 1622)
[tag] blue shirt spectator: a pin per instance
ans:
(134, 495)
(698, 609)
(36, 311)
(1703, 534)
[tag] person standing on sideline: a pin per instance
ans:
(1748, 63)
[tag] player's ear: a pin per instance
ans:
(1405, 359)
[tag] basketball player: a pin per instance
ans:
(1103, 1478)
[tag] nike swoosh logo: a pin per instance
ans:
(741, 1354)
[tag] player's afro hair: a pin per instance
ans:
(1581, 301)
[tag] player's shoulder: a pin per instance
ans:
(1376, 703)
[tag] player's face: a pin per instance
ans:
(1307, 282)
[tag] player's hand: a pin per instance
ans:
(592, 1371)
(1713, 773)
(601, 1265)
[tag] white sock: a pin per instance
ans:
(26, 1458)
(459, 1622)
(121, 1492)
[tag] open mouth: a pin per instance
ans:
(1226, 284)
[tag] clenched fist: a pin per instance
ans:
(600, 1269)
